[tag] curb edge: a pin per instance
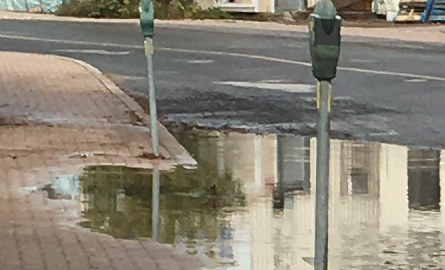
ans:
(175, 149)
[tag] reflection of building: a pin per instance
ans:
(360, 174)
(369, 189)
(252, 159)
(393, 188)
(442, 187)
(368, 198)
(293, 162)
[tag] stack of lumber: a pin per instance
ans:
(411, 10)
(421, 11)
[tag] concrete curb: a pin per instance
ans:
(19, 15)
(166, 139)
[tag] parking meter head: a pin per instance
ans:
(325, 9)
(324, 43)
(146, 19)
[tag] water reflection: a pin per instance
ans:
(155, 188)
(384, 204)
(423, 179)
(175, 206)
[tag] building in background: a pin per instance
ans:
(254, 6)
(38, 6)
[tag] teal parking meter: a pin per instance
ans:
(324, 31)
(146, 11)
(147, 17)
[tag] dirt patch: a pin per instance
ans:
(14, 121)
(151, 156)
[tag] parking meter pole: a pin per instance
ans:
(322, 177)
(155, 205)
(324, 41)
(146, 20)
(152, 96)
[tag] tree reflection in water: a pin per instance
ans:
(118, 202)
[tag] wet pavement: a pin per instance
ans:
(385, 91)
(55, 121)
(385, 203)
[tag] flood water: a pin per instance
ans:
(385, 203)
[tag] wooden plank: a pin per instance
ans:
(409, 6)
(408, 18)
(406, 10)
(421, 5)
(413, 1)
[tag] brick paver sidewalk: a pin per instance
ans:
(50, 109)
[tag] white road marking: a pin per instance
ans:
(104, 52)
(411, 46)
(221, 53)
(416, 80)
(363, 61)
(166, 72)
(294, 88)
(307, 64)
(293, 46)
(191, 61)
(382, 134)
(274, 81)
(335, 98)
(200, 61)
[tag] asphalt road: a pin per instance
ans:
(258, 80)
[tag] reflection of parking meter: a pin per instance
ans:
(324, 42)
(225, 247)
(146, 19)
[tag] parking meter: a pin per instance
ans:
(324, 31)
(146, 19)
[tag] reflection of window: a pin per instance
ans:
(359, 169)
(423, 179)
(358, 181)
(293, 163)
(423, 190)
(120, 197)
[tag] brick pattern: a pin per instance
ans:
(51, 109)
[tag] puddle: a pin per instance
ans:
(250, 203)
(119, 201)
(62, 187)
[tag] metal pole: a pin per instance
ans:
(152, 96)
(322, 182)
(155, 205)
